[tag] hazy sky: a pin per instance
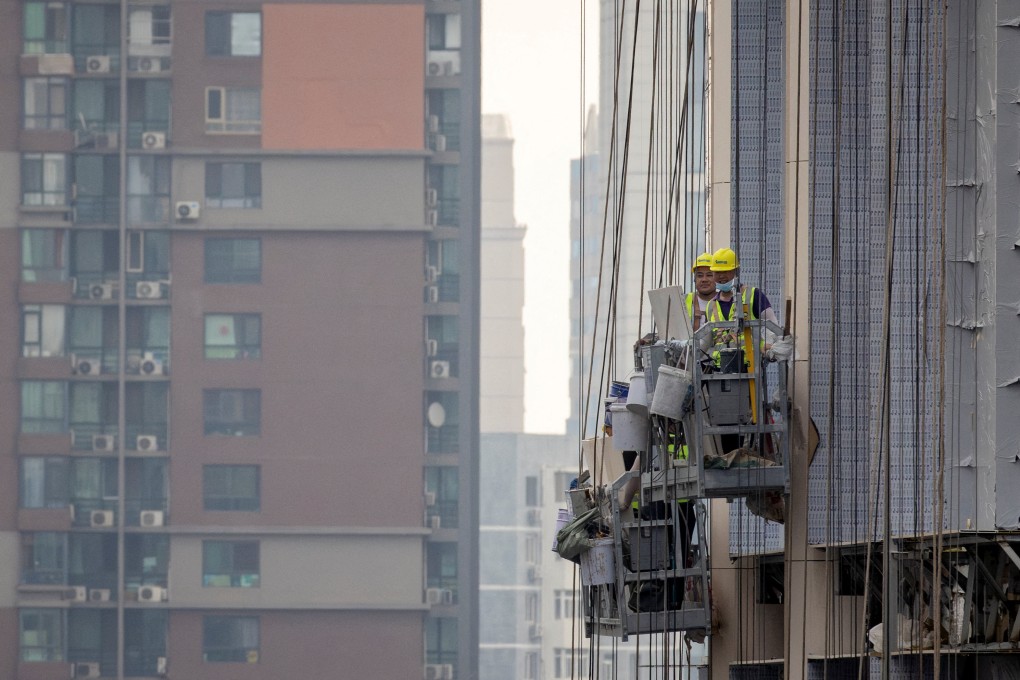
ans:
(531, 62)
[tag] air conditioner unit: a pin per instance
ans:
(439, 369)
(104, 140)
(104, 442)
(431, 197)
(432, 294)
(151, 518)
(439, 143)
(151, 594)
(153, 140)
(431, 347)
(535, 516)
(97, 64)
(150, 365)
(78, 594)
(446, 671)
(85, 669)
(447, 596)
(435, 671)
(535, 630)
(101, 291)
(187, 210)
(435, 522)
(161, 666)
(99, 595)
(101, 518)
(534, 574)
(433, 124)
(149, 65)
(85, 366)
(148, 290)
(435, 68)
(431, 274)
(430, 498)
(433, 596)
(146, 442)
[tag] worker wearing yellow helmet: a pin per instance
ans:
(704, 290)
(726, 269)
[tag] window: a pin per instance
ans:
(531, 494)
(43, 255)
(148, 109)
(233, 336)
(43, 406)
(43, 482)
(96, 184)
(42, 330)
(148, 189)
(148, 27)
(43, 558)
(441, 640)
(233, 260)
(233, 185)
(43, 179)
(531, 666)
(233, 109)
(442, 416)
(441, 565)
(96, 105)
(231, 487)
(531, 607)
(230, 639)
(564, 604)
(42, 633)
(232, 412)
(233, 34)
(148, 252)
(45, 103)
(45, 28)
(230, 564)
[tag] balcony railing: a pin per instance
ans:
(449, 211)
(447, 512)
(443, 439)
(96, 210)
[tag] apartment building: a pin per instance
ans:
(239, 372)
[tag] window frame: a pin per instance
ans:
(35, 163)
(235, 272)
(252, 179)
(229, 49)
(240, 563)
(50, 120)
(52, 650)
(54, 424)
(231, 497)
(223, 122)
(242, 348)
(247, 401)
(234, 653)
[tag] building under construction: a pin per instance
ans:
(853, 158)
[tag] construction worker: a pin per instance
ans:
(726, 268)
(704, 290)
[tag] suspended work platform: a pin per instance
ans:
(702, 418)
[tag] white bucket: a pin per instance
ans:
(597, 566)
(562, 519)
(637, 397)
(670, 392)
(630, 430)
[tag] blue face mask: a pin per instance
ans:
(725, 287)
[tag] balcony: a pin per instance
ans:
(96, 210)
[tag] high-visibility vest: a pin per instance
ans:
(714, 310)
(694, 313)
(714, 314)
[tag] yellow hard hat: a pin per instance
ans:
(704, 260)
(724, 260)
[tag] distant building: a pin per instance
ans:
(240, 245)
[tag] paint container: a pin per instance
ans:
(597, 565)
(671, 391)
(637, 397)
(630, 430)
(562, 519)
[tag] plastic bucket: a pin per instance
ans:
(562, 519)
(597, 566)
(637, 398)
(670, 392)
(630, 430)
(618, 389)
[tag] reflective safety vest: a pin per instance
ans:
(697, 320)
(714, 315)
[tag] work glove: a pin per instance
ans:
(781, 350)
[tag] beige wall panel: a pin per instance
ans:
(309, 571)
(332, 193)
